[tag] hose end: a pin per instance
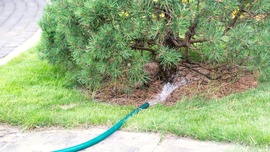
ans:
(144, 106)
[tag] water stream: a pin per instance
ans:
(167, 89)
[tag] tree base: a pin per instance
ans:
(201, 82)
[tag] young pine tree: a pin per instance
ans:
(107, 42)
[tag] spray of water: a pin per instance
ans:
(167, 89)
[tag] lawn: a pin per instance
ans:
(36, 94)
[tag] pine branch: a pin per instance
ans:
(144, 49)
(182, 42)
(228, 27)
(198, 41)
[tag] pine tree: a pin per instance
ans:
(107, 42)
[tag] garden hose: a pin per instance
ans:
(104, 135)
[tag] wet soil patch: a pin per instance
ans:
(200, 82)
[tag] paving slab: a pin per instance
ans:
(49, 140)
(188, 145)
(13, 139)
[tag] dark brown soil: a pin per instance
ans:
(214, 89)
(201, 82)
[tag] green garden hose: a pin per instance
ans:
(104, 135)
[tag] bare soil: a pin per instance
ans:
(201, 81)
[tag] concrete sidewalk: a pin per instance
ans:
(44, 140)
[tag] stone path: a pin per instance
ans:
(18, 22)
(44, 140)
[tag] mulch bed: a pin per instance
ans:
(198, 84)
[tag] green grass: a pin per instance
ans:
(34, 93)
